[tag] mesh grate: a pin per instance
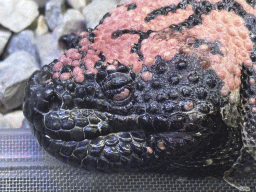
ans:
(25, 167)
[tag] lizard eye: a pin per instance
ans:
(118, 87)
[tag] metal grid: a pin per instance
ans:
(24, 166)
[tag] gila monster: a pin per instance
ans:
(163, 83)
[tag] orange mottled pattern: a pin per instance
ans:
(166, 43)
(225, 27)
(247, 7)
(134, 21)
(229, 30)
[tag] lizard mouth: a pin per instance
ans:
(61, 118)
(97, 123)
(114, 119)
(100, 140)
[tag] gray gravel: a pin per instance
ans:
(29, 40)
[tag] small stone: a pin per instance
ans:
(73, 22)
(41, 3)
(4, 37)
(94, 12)
(23, 41)
(16, 15)
(25, 124)
(15, 118)
(48, 48)
(14, 73)
(121, 1)
(4, 123)
(42, 27)
(77, 4)
(54, 10)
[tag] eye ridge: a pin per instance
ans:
(116, 83)
(116, 80)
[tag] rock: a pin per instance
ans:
(4, 37)
(73, 21)
(15, 118)
(23, 41)
(42, 27)
(122, 1)
(25, 124)
(48, 48)
(4, 123)
(41, 3)
(94, 12)
(54, 10)
(14, 73)
(16, 15)
(77, 4)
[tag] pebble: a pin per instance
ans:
(16, 15)
(27, 48)
(23, 41)
(54, 10)
(14, 73)
(73, 21)
(5, 34)
(77, 4)
(94, 12)
(122, 1)
(15, 118)
(41, 3)
(42, 27)
(48, 49)
(25, 124)
(4, 123)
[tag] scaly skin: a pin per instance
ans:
(155, 84)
